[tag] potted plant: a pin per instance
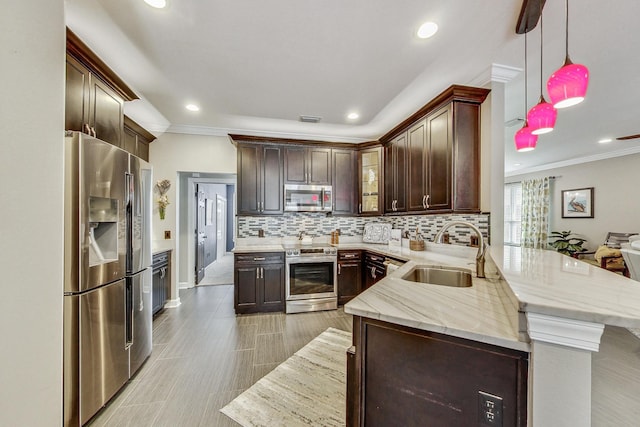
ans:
(565, 244)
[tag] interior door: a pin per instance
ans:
(221, 226)
(200, 233)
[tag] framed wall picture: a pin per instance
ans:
(577, 203)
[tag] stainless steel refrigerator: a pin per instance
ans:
(107, 295)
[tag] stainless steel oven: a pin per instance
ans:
(311, 279)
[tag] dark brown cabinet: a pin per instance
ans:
(136, 139)
(349, 275)
(307, 165)
(161, 280)
(344, 180)
(91, 106)
(373, 269)
(260, 184)
(370, 181)
(441, 145)
(259, 282)
(395, 180)
(94, 95)
(404, 376)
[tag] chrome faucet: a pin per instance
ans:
(482, 247)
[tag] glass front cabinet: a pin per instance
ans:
(370, 168)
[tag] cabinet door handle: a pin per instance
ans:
(424, 202)
(259, 258)
(427, 202)
(87, 129)
(373, 272)
(163, 272)
(338, 268)
(360, 208)
(262, 272)
(257, 272)
(93, 131)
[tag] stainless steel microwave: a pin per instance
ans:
(308, 198)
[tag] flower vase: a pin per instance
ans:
(161, 211)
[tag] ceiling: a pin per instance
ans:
(254, 66)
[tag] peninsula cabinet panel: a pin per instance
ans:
(307, 165)
(410, 377)
(344, 180)
(260, 186)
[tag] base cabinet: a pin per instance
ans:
(160, 281)
(258, 282)
(349, 275)
(409, 377)
(373, 269)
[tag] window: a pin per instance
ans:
(512, 213)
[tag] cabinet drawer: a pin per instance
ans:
(349, 255)
(374, 259)
(160, 259)
(260, 258)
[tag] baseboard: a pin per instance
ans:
(172, 303)
(185, 285)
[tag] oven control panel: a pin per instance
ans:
(293, 252)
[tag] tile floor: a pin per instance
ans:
(219, 272)
(204, 356)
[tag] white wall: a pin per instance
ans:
(616, 196)
(173, 153)
(31, 235)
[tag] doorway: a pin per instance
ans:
(206, 224)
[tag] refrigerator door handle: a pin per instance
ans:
(128, 314)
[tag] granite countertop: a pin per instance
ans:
(549, 283)
(493, 309)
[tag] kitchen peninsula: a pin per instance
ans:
(541, 311)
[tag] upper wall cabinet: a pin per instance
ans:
(441, 147)
(94, 95)
(260, 186)
(307, 165)
(370, 181)
(344, 179)
(136, 139)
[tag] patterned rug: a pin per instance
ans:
(308, 389)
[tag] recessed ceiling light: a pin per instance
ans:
(353, 116)
(192, 107)
(605, 140)
(426, 30)
(158, 4)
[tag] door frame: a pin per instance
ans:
(185, 240)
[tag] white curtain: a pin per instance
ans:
(535, 213)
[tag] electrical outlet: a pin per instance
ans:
(489, 409)
(167, 234)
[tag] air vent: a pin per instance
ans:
(310, 119)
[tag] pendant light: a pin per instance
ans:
(542, 117)
(568, 85)
(525, 140)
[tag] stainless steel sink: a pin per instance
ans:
(444, 276)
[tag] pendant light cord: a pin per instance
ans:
(525, 76)
(566, 28)
(541, 54)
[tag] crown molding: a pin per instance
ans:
(496, 73)
(217, 131)
(576, 161)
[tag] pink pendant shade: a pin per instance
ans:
(525, 140)
(542, 117)
(568, 85)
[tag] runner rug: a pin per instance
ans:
(308, 389)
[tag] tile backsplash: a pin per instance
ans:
(320, 224)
